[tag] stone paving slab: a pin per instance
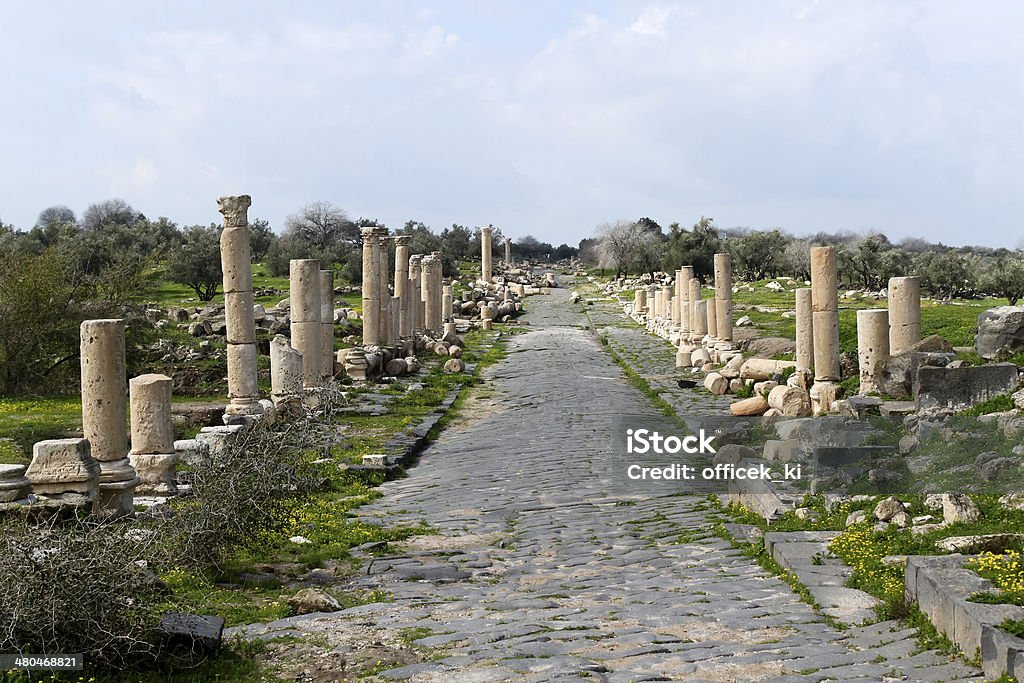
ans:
(545, 566)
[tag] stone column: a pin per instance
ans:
(485, 253)
(385, 295)
(446, 303)
(700, 327)
(804, 330)
(657, 303)
(666, 302)
(698, 320)
(825, 321)
(872, 347)
(652, 304)
(686, 274)
(305, 314)
(904, 313)
(639, 301)
(508, 252)
(431, 296)
(438, 275)
(105, 414)
(152, 455)
(327, 323)
(677, 300)
(712, 309)
(236, 265)
(371, 288)
(285, 372)
(402, 285)
(723, 296)
(415, 303)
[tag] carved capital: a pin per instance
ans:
(402, 240)
(235, 209)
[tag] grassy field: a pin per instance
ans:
(165, 293)
(955, 321)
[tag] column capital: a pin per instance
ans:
(380, 231)
(235, 209)
(402, 240)
(487, 229)
(367, 232)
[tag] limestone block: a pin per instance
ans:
(64, 465)
(242, 370)
(151, 427)
(304, 290)
(790, 401)
(716, 384)
(156, 472)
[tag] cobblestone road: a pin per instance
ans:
(548, 567)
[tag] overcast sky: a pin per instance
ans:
(543, 118)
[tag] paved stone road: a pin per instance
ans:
(548, 567)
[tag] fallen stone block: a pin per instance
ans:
(960, 388)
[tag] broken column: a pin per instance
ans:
(446, 303)
(639, 301)
(485, 253)
(677, 298)
(431, 266)
(105, 415)
(383, 241)
(152, 454)
(508, 252)
(723, 296)
(415, 297)
(327, 323)
(804, 330)
(825, 321)
(402, 285)
(698, 318)
(666, 302)
(686, 274)
(712, 314)
(236, 265)
(285, 372)
(872, 347)
(305, 314)
(371, 288)
(904, 313)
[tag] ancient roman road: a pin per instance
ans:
(547, 566)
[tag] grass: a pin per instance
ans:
(955, 320)
(23, 421)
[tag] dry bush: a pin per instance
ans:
(245, 495)
(77, 587)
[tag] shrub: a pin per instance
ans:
(75, 586)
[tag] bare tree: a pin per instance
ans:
(110, 212)
(322, 225)
(618, 245)
(56, 215)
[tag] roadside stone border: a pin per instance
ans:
(805, 554)
(941, 586)
(401, 449)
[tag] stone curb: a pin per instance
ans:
(941, 586)
(402, 448)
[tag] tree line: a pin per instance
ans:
(863, 261)
(67, 268)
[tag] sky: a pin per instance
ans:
(542, 118)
